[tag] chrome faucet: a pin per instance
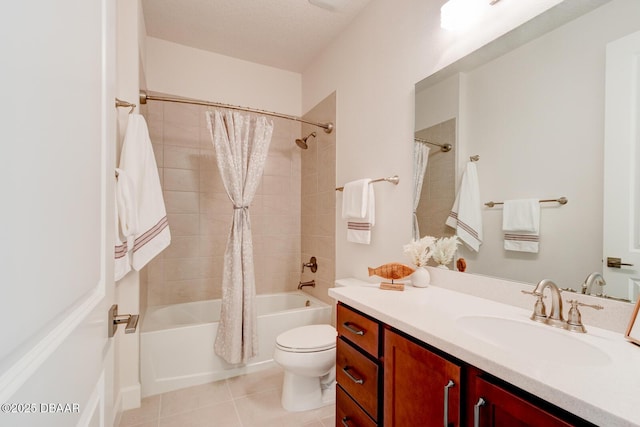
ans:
(590, 280)
(555, 316)
(311, 283)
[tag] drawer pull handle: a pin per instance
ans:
(353, 330)
(350, 375)
(476, 412)
(345, 422)
(446, 402)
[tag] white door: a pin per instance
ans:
(622, 167)
(57, 133)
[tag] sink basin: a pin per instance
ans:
(534, 340)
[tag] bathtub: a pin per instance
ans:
(176, 341)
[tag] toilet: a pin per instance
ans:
(308, 356)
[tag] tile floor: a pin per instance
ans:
(247, 401)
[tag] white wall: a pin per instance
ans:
(438, 103)
(193, 73)
(373, 66)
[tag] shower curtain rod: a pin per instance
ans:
(328, 127)
(445, 147)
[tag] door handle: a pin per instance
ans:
(115, 319)
(616, 262)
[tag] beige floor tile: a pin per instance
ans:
(329, 421)
(153, 423)
(297, 419)
(148, 411)
(326, 411)
(218, 415)
(256, 404)
(261, 409)
(265, 410)
(257, 382)
(189, 399)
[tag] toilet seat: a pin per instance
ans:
(307, 339)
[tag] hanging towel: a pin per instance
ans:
(521, 225)
(126, 222)
(122, 262)
(466, 214)
(358, 208)
(138, 162)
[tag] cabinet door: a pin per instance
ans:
(420, 387)
(501, 408)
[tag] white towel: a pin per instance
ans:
(126, 222)
(122, 262)
(521, 224)
(138, 162)
(466, 213)
(358, 208)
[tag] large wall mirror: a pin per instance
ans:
(531, 105)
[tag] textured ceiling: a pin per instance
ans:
(285, 34)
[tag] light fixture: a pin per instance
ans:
(459, 15)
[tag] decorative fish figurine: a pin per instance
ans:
(391, 271)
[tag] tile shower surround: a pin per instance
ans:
(319, 199)
(199, 211)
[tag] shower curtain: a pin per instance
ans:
(241, 153)
(420, 160)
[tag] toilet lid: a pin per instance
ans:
(307, 339)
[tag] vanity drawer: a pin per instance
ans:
(348, 413)
(358, 376)
(358, 329)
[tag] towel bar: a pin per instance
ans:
(562, 200)
(395, 179)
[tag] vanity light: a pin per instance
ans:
(458, 15)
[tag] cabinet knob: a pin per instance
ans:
(345, 422)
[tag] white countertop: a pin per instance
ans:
(606, 395)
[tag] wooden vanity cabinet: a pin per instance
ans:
(420, 387)
(387, 378)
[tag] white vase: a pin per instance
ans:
(420, 278)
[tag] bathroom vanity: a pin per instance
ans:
(437, 357)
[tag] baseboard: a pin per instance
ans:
(117, 410)
(130, 397)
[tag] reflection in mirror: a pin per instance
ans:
(535, 115)
(434, 160)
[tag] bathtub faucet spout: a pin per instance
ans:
(311, 283)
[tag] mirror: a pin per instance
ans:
(531, 106)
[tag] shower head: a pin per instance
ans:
(302, 143)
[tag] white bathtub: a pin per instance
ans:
(176, 341)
